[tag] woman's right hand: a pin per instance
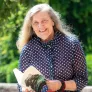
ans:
(29, 91)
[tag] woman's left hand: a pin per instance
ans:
(53, 85)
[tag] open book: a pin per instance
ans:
(22, 76)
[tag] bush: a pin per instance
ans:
(90, 76)
(3, 73)
(10, 77)
(89, 67)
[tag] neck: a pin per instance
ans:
(51, 37)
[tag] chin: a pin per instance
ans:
(44, 39)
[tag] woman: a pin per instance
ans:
(46, 43)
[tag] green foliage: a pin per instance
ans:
(89, 67)
(1, 3)
(42, 1)
(6, 7)
(89, 57)
(77, 14)
(3, 73)
(6, 72)
(9, 53)
(10, 77)
(10, 31)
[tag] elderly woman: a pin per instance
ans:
(46, 43)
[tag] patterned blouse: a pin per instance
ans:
(60, 59)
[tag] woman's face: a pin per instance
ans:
(42, 25)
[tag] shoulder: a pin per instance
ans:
(75, 43)
(72, 39)
(29, 46)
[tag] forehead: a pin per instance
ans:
(40, 15)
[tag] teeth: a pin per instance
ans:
(42, 30)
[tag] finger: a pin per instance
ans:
(49, 86)
(26, 90)
(50, 90)
(31, 91)
(47, 79)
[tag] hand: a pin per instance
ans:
(53, 85)
(29, 91)
(26, 90)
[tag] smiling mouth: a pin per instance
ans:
(43, 31)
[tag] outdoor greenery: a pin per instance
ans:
(76, 13)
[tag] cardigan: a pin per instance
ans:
(59, 59)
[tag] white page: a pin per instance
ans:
(22, 76)
(30, 70)
(18, 75)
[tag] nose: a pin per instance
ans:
(40, 26)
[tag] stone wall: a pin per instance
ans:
(12, 87)
(87, 89)
(8, 87)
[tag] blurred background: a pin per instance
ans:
(75, 13)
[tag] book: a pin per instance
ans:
(20, 77)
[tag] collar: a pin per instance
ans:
(50, 43)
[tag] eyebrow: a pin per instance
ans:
(42, 19)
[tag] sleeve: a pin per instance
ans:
(19, 88)
(24, 61)
(79, 66)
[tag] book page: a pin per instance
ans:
(30, 70)
(22, 76)
(18, 75)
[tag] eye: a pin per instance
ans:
(44, 21)
(35, 23)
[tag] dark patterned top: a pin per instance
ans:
(61, 59)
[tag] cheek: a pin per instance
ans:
(35, 29)
(50, 25)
